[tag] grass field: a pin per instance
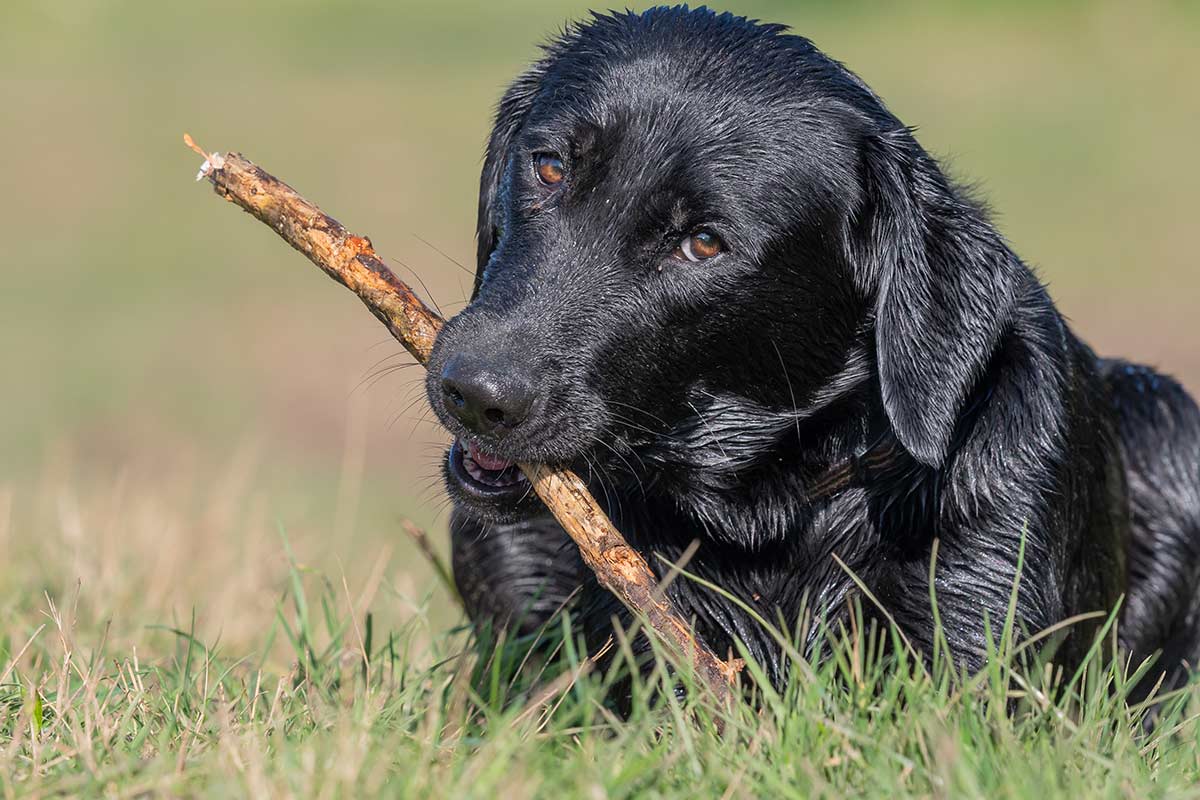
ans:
(206, 454)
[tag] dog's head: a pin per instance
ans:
(680, 204)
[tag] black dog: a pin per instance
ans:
(717, 277)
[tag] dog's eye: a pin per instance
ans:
(549, 168)
(699, 246)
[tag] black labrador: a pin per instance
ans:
(718, 278)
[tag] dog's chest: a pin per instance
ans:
(780, 565)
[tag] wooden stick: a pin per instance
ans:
(351, 261)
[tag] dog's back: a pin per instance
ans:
(1159, 429)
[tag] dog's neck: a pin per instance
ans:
(735, 455)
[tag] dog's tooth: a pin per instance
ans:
(474, 470)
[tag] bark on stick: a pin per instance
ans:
(351, 261)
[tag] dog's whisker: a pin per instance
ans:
(594, 471)
(633, 472)
(372, 380)
(407, 408)
(422, 419)
(420, 280)
(443, 254)
(712, 434)
(639, 410)
(627, 422)
(787, 379)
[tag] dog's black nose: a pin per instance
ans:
(488, 400)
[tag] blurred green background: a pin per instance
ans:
(155, 343)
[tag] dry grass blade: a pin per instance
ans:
(421, 540)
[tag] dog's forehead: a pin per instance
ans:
(705, 122)
(706, 106)
(643, 111)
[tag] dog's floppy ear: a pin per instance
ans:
(945, 284)
(510, 115)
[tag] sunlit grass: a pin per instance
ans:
(149, 647)
(373, 701)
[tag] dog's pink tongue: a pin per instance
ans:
(486, 461)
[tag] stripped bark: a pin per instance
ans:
(351, 261)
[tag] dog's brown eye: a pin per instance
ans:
(700, 246)
(549, 168)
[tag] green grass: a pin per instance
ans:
(366, 709)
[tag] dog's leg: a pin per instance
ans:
(515, 576)
(1159, 427)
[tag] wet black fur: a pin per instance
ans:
(865, 301)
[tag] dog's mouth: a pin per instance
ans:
(484, 475)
